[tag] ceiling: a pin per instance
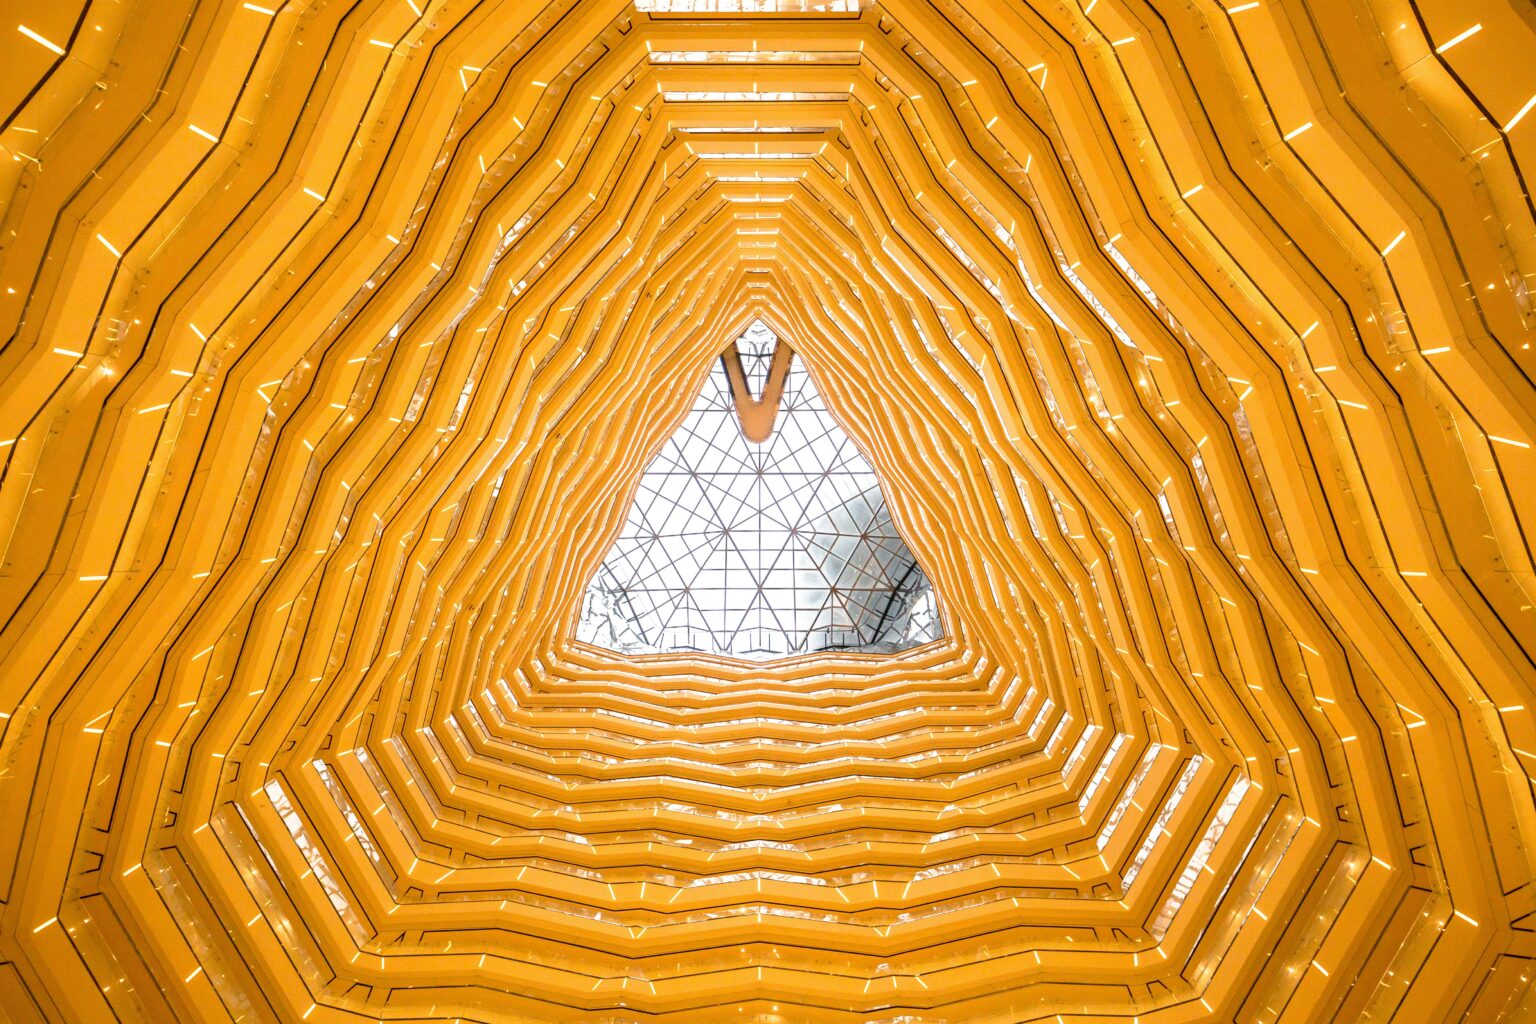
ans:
(1190, 345)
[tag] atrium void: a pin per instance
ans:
(767, 512)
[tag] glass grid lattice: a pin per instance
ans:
(759, 550)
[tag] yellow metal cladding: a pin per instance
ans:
(1192, 345)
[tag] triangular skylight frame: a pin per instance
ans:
(801, 515)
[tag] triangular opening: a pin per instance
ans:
(759, 550)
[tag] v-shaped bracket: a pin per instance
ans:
(757, 415)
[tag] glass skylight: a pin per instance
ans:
(759, 551)
(748, 6)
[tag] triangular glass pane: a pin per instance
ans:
(759, 550)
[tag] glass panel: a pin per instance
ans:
(759, 550)
(748, 6)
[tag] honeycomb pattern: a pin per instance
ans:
(1190, 342)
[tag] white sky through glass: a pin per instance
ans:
(759, 550)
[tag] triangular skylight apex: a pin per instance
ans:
(804, 556)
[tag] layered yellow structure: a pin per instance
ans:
(1191, 342)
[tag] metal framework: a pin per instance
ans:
(759, 550)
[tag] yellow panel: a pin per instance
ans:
(1192, 345)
